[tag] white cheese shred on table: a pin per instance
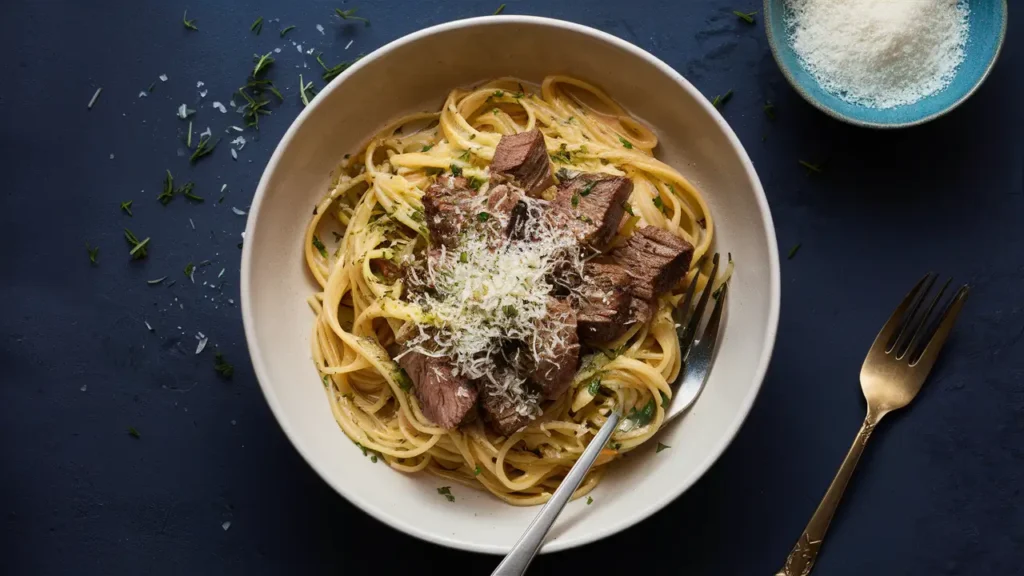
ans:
(879, 53)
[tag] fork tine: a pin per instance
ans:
(926, 359)
(679, 314)
(922, 324)
(907, 319)
(694, 375)
(686, 337)
(895, 322)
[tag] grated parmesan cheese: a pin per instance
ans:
(879, 53)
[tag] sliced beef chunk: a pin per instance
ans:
(507, 418)
(640, 312)
(604, 302)
(446, 400)
(524, 159)
(417, 276)
(446, 205)
(559, 349)
(505, 203)
(655, 259)
(595, 205)
(387, 269)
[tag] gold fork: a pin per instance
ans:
(895, 368)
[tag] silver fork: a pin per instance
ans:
(685, 389)
(893, 372)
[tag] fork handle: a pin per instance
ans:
(801, 559)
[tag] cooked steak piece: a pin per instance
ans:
(604, 302)
(505, 417)
(446, 400)
(524, 159)
(595, 205)
(559, 349)
(417, 275)
(655, 259)
(640, 312)
(386, 268)
(502, 199)
(446, 205)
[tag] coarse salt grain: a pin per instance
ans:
(879, 53)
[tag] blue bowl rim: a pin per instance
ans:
(773, 42)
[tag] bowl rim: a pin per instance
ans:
(773, 42)
(639, 514)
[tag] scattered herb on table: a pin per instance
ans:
(253, 108)
(319, 246)
(499, 10)
(134, 433)
(202, 149)
(350, 14)
(446, 491)
(769, 110)
(793, 251)
(138, 250)
(590, 500)
(286, 30)
(262, 63)
(661, 447)
(151, 87)
(331, 71)
(127, 207)
(190, 24)
(168, 192)
(94, 252)
(190, 269)
(222, 367)
(257, 26)
(626, 143)
(187, 192)
(816, 168)
(747, 17)
(306, 91)
(720, 101)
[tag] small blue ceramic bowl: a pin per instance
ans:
(986, 34)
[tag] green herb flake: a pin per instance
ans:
(134, 433)
(661, 447)
(463, 258)
(720, 101)
(476, 183)
(446, 491)
(168, 194)
(350, 14)
(373, 458)
(659, 203)
(221, 366)
(190, 269)
(643, 416)
(94, 252)
(483, 217)
(477, 470)
(793, 251)
(257, 26)
(127, 207)
(588, 188)
(262, 63)
(510, 311)
(628, 208)
(204, 148)
(306, 91)
(626, 143)
(590, 500)
(190, 24)
(816, 168)
(456, 170)
(498, 93)
(575, 200)
(319, 246)
(331, 71)
(426, 147)
(404, 381)
(595, 386)
(664, 400)
(286, 30)
(769, 110)
(747, 17)
(138, 250)
(499, 10)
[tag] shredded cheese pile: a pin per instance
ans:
(488, 292)
(879, 53)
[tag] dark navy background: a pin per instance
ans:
(939, 491)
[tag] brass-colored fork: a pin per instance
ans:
(895, 368)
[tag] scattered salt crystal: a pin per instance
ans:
(97, 95)
(201, 345)
(226, 525)
(320, 28)
(199, 84)
(192, 223)
(220, 107)
(148, 327)
(349, 44)
(206, 132)
(230, 301)
(234, 154)
(143, 94)
(311, 50)
(221, 273)
(163, 77)
(236, 128)
(240, 213)
(240, 142)
(84, 386)
(223, 187)
(277, 50)
(299, 48)
(203, 93)
(111, 156)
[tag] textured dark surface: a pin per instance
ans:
(938, 492)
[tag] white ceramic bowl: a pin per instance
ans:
(415, 73)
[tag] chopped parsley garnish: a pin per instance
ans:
(475, 183)
(498, 93)
(373, 458)
(262, 63)
(404, 381)
(483, 217)
(463, 257)
(575, 200)
(257, 26)
(477, 470)
(661, 447)
(816, 168)
(331, 71)
(720, 101)
(643, 416)
(664, 400)
(350, 14)
(222, 367)
(793, 251)
(426, 147)
(134, 433)
(510, 311)
(156, 280)
(628, 208)
(586, 189)
(190, 24)
(769, 110)
(127, 207)
(204, 148)
(94, 252)
(319, 246)
(562, 155)
(747, 17)
(168, 192)
(659, 203)
(464, 156)
(306, 91)
(416, 216)
(138, 250)
(446, 491)
(456, 170)
(626, 143)
(253, 108)
(595, 386)
(190, 269)
(590, 500)
(286, 30)
(186, 191)
(499, 10)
